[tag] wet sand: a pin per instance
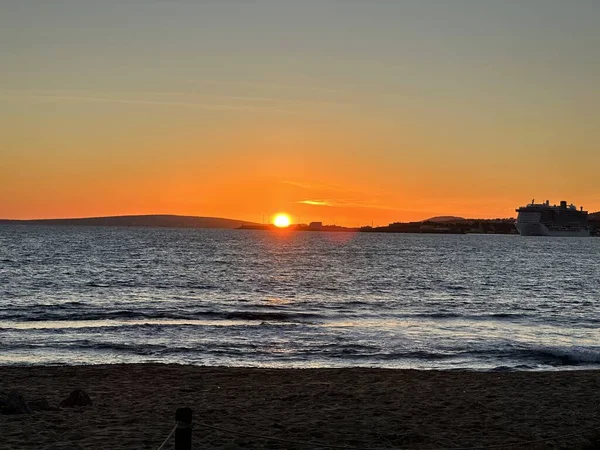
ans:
(363, 408)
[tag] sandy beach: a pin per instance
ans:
(133, 407)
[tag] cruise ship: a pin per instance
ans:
(541, 219)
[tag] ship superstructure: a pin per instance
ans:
(542, 219)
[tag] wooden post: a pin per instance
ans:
(183, 432)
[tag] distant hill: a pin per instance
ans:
(160, 221)
(445, 219)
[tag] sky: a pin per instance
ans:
(342, 111)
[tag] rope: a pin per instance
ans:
(168, 437)
(316, 444)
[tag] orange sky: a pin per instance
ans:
(379, 114)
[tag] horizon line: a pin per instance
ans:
(227, 218)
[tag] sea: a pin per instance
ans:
(86, 295)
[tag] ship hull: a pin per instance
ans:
(539, 229)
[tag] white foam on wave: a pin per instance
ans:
(108, 323)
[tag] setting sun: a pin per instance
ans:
(282, 220)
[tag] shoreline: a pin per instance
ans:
(134, 405)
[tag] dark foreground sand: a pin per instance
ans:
(366, 408)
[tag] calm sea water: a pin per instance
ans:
(255, 298)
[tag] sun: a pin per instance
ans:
(281, 220)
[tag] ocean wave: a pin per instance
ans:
(574, 355)
(505, 358)
(138, 349)
(501, 316)
(524, 359)
(268, 316)
(73, 313)
(359, 351)
(417, 354)
(64, 313)
(78, 311)
(436, 315)
(544, 355)
(137, 284)
(506, 315)
(456, 288)
(464, 315)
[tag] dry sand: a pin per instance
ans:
(366, 408)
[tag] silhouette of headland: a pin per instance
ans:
(435, 225)
(445, 219)
(438, 224)
(450, 225)
(594, 223)
(313, 226)
(148, 221)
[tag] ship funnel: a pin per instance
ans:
(563, 204)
